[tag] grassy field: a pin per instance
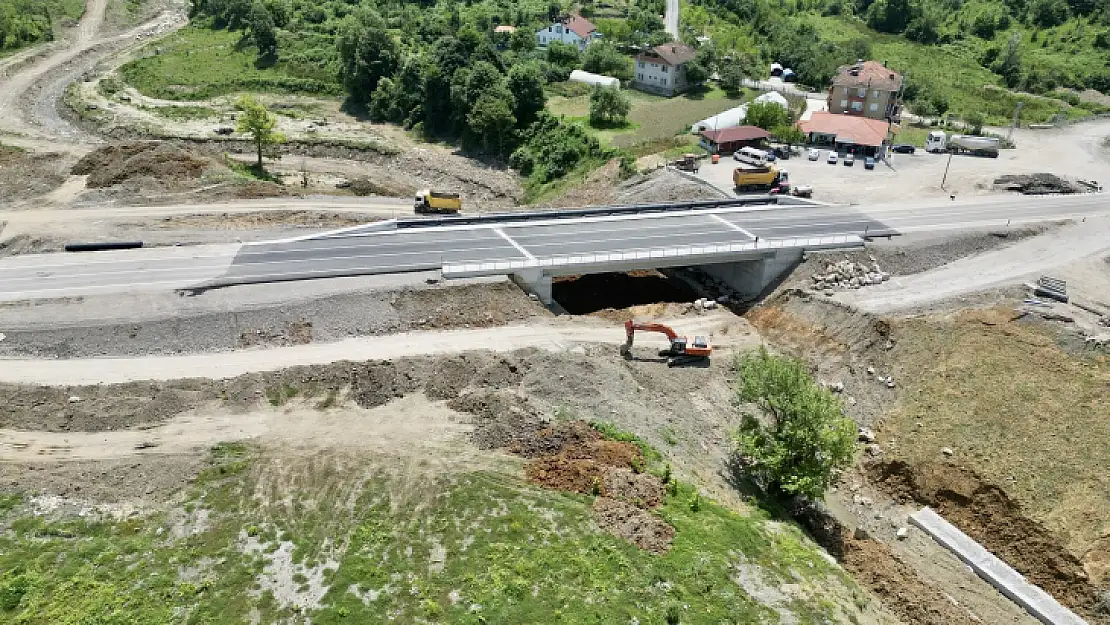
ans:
(196, 63)
(328, 540)
(653, 118)
(1029, 416)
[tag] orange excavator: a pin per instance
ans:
(682, 351)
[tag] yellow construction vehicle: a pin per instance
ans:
(765, 178)
(428, 201)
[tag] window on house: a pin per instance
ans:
(875, 94)
(857, 106)
(639, 76)
(641, 64)
(664, 69)
(874, 107)
(843, 104)
(663, 82)
(861, 92)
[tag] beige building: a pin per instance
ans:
(867, 88)
(662, 69)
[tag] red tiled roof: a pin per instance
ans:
(672, 54)
(860, 130)
(581, 26)
(871, 74)
(738, 133)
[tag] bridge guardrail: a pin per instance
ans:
(691, 251)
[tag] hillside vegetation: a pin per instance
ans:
(26, 22)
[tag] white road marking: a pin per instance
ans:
(501, 233)
(734, 226)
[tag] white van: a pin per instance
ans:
(936, 141)
(752, 156)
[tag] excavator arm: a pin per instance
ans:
(681, 349)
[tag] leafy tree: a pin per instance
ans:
(437, 101)
(468, 84)
(526, 85)
(789, 135)
(491, 119)
(522, 40)
(383, 104)
(1008, 65)
(696, 73)
(732, 79)
(808, 439)
(975, 120)
(608, 107)
(766, 115)
(923, 29)
(256, 121)
(263, 31)
(367, 53)
(1048, 13)
(890, 16)
(603, 58)
(563, 56)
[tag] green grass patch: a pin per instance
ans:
(197, 62)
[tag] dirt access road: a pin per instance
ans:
(551, 336)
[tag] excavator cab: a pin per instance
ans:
(682, 350)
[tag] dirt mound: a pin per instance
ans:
(639, 527)
(363, 186)
(1036, 184)
(378, 383)
(641, 489)
(24, 244)
(115, 164)
(25, 174)
(472, 305)
(665, 185)
(875, 566)
(984, 512)
(256, 189)
(598, 189)
(562, 473)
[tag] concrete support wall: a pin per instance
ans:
(751, 277)
(537, 282)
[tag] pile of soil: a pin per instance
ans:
(363, 186)
(875, 566)
(25, 244)
(641, 528)
(25, 174)
(984, 512)
(665, 185)
(1036, 184)
(166, 163)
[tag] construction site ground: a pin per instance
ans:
(397, 447)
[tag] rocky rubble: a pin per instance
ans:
(848, 274)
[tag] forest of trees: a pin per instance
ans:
(26, 22)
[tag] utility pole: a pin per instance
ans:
(1013, 124)
(945, 178)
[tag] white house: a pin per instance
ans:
(575, 30)
(662, 69)
(594, 79)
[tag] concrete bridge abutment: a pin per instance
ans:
(751, 277)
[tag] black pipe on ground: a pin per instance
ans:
(107, 245)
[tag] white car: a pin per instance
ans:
(832, 158)
(814, 154)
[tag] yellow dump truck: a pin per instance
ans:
(428, 201)
(754, 178)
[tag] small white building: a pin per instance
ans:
(662, 69)
(594, 79)
(575, 30)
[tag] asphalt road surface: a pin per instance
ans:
(421, 249)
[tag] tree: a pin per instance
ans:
(807, 440)
(766, 115)
(563, 55)
(491, 119)
(259, 123)
(608, 107)
(604, 58)
(975, 120)
(696, 73)
(367, 52)
(263, 31)
(790, 135)
(526, 85)
(732, 79)
(1048, 13)
(522, 40)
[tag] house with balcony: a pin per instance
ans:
(575, 30)
(662, 69)
(868, 89)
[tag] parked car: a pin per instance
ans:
(814, 154)
(849, 159)
(869, 163)
(903, 148)
(832, 158)
(771, 158)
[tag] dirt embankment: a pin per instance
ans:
(1028, 491)
(25, 174)
(325, 319)
(984, 512)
